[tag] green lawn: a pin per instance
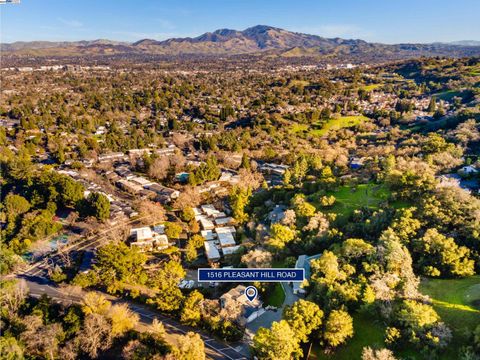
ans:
(351, 198)
(339, 123)
(367, 332)
(296, 128)
(277, 297)
(457, 301)
(371, 87)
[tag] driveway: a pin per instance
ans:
(266, 319)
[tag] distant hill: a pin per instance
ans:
(256, 39)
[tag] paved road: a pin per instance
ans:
(214, 349)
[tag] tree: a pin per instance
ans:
(10, 349)
(150, 212)
(96, 205)
(41, 340)
(95, 303)
(14, 205)
(278, 343)
(190, 346)
(257, 258)
(13, 294)
(304, 317)
(122, 319)
(326, 269)
(432, 105)
(338, 328)
(169, 297)
(377, 354)
(245, 164)
(416, 315)
(159, 168)
(95, 335)
(436, 251)
(188, 214)
(239, 198)
(191, 314)
(173, 230)
(118, 263)
(280, 235)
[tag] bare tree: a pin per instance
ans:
(12, 295)
(257, 258)
(159, 168)
(95, 335)
(188, 198)
(151, 212)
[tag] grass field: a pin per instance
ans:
(371, 87)
(367, 332)
(457, 301)
(339, 123)
(277, 297)
(349, 198)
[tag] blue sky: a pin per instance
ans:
(389, 21)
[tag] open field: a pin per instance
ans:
(350, 198)
(277, 297)
(339, 123)
(457, 301)
(367, 332)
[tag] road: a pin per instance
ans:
(214, 349)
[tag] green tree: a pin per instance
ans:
(437, 251)
(245, 164)
(280, 235)
(304, 317)
(416, 316)
(239, 199)
(117, 264)
(278, 343)
(338, 328)
(190, 347)
(173, 230)
(191, 314)
(96, 205)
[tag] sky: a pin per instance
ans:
(387, 21)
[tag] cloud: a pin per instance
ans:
(71, 22)
(346, 31)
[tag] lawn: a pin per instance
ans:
(296, 128)
(367, 332)
(457, 301)
(338, 123)
(350, 198)
(448, 95)
(277, 297)
(371, 87)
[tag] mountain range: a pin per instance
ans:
(256, 39)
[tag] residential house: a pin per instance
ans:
(236, 303)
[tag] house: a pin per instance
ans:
(211, 251)
(356, 163)
(148, 240)
(468, 170)
(235, 300)
(221, 221)
(226, 239)
(303, 262)
(205, 222)
(208, 235)
(164, 194)
(129, 186)
(277, 214)
(230, 250)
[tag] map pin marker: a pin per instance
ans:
(251, 293)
